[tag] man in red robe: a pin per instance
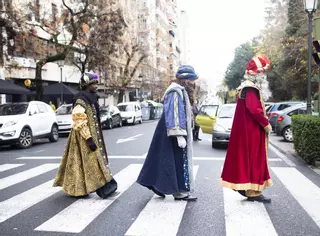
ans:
(246, 165)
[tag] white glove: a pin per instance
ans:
(182, 143)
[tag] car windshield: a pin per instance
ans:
(126, 107)
(64, 110)
(209, 110)
(104, 111)
(227, 112)
(13, 109)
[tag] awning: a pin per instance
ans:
(56, 89)
(7, 87)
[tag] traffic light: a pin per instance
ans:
(316, 55)
(316, 37)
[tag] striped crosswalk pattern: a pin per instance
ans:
(156, 216)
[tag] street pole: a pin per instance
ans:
(61, 86)
(310, 16)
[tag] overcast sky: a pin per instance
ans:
(217, 27)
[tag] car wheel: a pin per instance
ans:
(214, 145)
(54, 135)
(287, 134)
(140, 121)
(134, 121)
(110, 126)
(25, 139)
(120, 123)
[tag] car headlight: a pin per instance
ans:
(10, 123)
(219, 128)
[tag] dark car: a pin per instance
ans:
(273, 112)
(110, 117)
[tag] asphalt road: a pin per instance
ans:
(30, 206)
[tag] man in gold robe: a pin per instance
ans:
(84, 166)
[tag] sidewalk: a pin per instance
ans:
(287, 148)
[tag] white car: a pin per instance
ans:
(222, 127)
(22, 123)
(130, 112)
(64, 118)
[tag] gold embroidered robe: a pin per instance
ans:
(81, 170)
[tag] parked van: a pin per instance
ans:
(130, 112)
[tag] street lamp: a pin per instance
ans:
(61, 64)
(310, 6)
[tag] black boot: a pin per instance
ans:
(260, 198)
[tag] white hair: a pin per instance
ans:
(261, 81)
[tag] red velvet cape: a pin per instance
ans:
(246, 164)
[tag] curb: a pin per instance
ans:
(314, 169)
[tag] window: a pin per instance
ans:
(43, 108)
(208, 110)
(283, 106)
(13, 109)
(302, 111)
(64, 110)
(227, 112)
(294, 112)
(34, 110)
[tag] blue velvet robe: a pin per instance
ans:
(166, 167)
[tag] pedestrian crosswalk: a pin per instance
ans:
(298, 198)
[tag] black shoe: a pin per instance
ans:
(187, 198)
(157, 192)
(241, 192)
(260, 198)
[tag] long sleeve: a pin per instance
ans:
(175, 115)
(254, 106)
(80, 121)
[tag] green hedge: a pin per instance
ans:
(306, 137)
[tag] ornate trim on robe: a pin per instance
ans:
(80, 121)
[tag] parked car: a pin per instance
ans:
(283, 124)
(64, 118)
(22, 123)
(130, 112)
(276, 109)
(206, 117)
(222, 128)
(110, 117)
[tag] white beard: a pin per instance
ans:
(263, 84)
(260, 80)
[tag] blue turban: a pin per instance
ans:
(186, 72)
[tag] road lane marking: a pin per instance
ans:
(128, 139)
(24, 175)
(5, 167)
(81, 213)
(25, 200)
(138, 157)
(159, 217)
(245, 218)
(282, 156)
(302, 189)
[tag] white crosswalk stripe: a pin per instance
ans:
(6, 167)
(23, 201)
(306, 192)
(80, 214)
(28, 174)
(159, 213)
(240, 213)
(158, 216)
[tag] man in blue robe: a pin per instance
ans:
(168, 168)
